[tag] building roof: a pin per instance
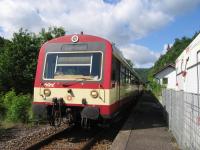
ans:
(164, 68)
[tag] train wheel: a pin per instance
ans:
(68, 119)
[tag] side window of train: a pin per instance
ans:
(132, 79)
(127, 76)
(115, 70)
(113, 77)
(122, 75)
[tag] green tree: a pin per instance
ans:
(18, 106)
(18, 59)
(53, 32)
(142, 72)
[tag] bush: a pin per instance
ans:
(17, 106)
(156, 88)
(2, 108)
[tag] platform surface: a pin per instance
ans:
(146, 128)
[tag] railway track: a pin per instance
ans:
(69, 137)
(33, 138)
(48, 139)
(65, 137)
(75, 137)
(91, 142)
(72, 138)
(80, 139)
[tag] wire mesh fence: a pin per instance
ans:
(183, 111)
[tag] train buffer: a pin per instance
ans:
(146, 128)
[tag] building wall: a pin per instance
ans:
(171, 80)
(168, 73)
(189, 62)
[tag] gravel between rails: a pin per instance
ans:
(77, 138)
(80, 139)
(73, 139)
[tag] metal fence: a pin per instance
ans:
(183, 111)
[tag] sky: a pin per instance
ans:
(140, 28)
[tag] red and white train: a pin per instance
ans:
(82, 78)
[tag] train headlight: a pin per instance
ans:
(47, 92)
(74, 38)
(94, 94)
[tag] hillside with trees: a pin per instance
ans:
(172, 54)
(143, 73)
(169, 58)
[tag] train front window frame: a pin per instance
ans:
(85, 65)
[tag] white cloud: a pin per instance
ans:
(120, 22)
(141, 56)
(175, 7)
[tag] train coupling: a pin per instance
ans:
(87, 115)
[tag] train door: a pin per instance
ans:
(115, 79)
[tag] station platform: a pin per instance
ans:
(146, 128)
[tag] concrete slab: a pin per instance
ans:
(145, 128)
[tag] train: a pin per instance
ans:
(82, 79)
(188, 68)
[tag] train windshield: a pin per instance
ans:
(73, 66)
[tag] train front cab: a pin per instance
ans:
(74, 74)
(80, 80)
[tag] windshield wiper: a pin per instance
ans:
(75, 82)
(84, 78)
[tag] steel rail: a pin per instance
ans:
(48, 139)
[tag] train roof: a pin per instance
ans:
(82, 38)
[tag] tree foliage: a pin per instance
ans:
(18, 58)
(53, 32)
(171, 55)
(143, 72)
(17, 106)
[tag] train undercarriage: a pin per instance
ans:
(60, 113)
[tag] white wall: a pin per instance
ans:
(168, 73)
(171, 80)
(189, 61)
